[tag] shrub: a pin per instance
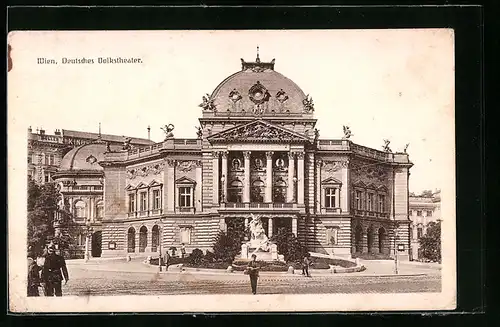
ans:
(430, 243)
(196, 257)
(289, 245)
(209, 257)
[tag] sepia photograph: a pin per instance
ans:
(243, 170)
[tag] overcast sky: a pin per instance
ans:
(394, 84)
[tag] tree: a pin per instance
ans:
(228, 245)
(430, 243)
(45, 218)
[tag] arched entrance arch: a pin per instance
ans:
(143, 238)
(96, 244)
(369, 238)
(358, 237)
(155, 238)
(381, 240)
(131, 240)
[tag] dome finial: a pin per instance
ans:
(258, 59)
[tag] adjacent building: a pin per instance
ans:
(423, 209)
(257, 152)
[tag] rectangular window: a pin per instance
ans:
(419, 232)
(143, 201)
(332, 235)
(30, 159)
(48, 177)
(409, 212)
(156, 199)
(131, 203)
(381, 203)
(185, 235)
(419, 213)
(330, 197)
(429, 213)
(370, 202)
(49, 159)
(184, 196)
(358, 200)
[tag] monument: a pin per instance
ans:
(259, 243)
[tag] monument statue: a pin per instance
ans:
(259, 239)
(347, 133)
(167, 129)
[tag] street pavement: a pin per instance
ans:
(118, 277)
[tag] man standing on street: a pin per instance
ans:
(53, 271)
(253, 272)
(306, 262)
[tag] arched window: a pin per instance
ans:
(369, 239)
(143, 238)
(80, 212)
(235, 191)
(257, 191)
(381, 240)
(99, 212)
(358, 237)
(279, 191)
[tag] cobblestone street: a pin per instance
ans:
(121, 278)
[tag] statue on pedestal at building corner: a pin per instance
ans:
(208, 103)
(167, 129)
(386, 146)
(347, 133)
(199, 132)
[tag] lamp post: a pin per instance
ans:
(159, 248)
(396, 226)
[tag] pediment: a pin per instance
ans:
(359, 184)
(331, 181)
(185, 180)
(130, 187)
(154, 183)
(259, 131)
(142, 185)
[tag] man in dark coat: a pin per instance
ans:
(253, 272)
(33, 277)
(53, 271)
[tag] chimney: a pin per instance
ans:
(30, 130)
(149, 132)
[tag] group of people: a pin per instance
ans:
(49, 275)
(253, 270)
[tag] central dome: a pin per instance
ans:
(259, 89)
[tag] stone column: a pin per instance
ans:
(294, 226)
(345, 200)
(170, 190)
(269, 177)
(215, 172)
(291, 173)
(224, 174)
(246, 182)
(300, 178)
(270, 227)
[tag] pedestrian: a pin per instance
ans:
(306, 262)
(33, 277)
(183, 250)
(53, 271)
(166, 259)
(253, 272)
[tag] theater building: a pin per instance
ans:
(257, 152)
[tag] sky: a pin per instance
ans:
(384, 84)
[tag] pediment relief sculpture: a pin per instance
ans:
(154, 169)
(188, 165)
(258, 132)
(331, 166)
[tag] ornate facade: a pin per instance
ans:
(257, 151)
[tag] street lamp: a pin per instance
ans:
(159, 249)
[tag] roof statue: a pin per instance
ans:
(167, 129)
(347, 133)
(386, 146)
(308, 104)
(208, 103)
(406, 147)
(199, 132)
(126, 143)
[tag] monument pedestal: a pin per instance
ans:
(270, 255)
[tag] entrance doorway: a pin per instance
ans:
(381, 240)
(96, 244)
(131, 240)
(358, 234)
(143, 239)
